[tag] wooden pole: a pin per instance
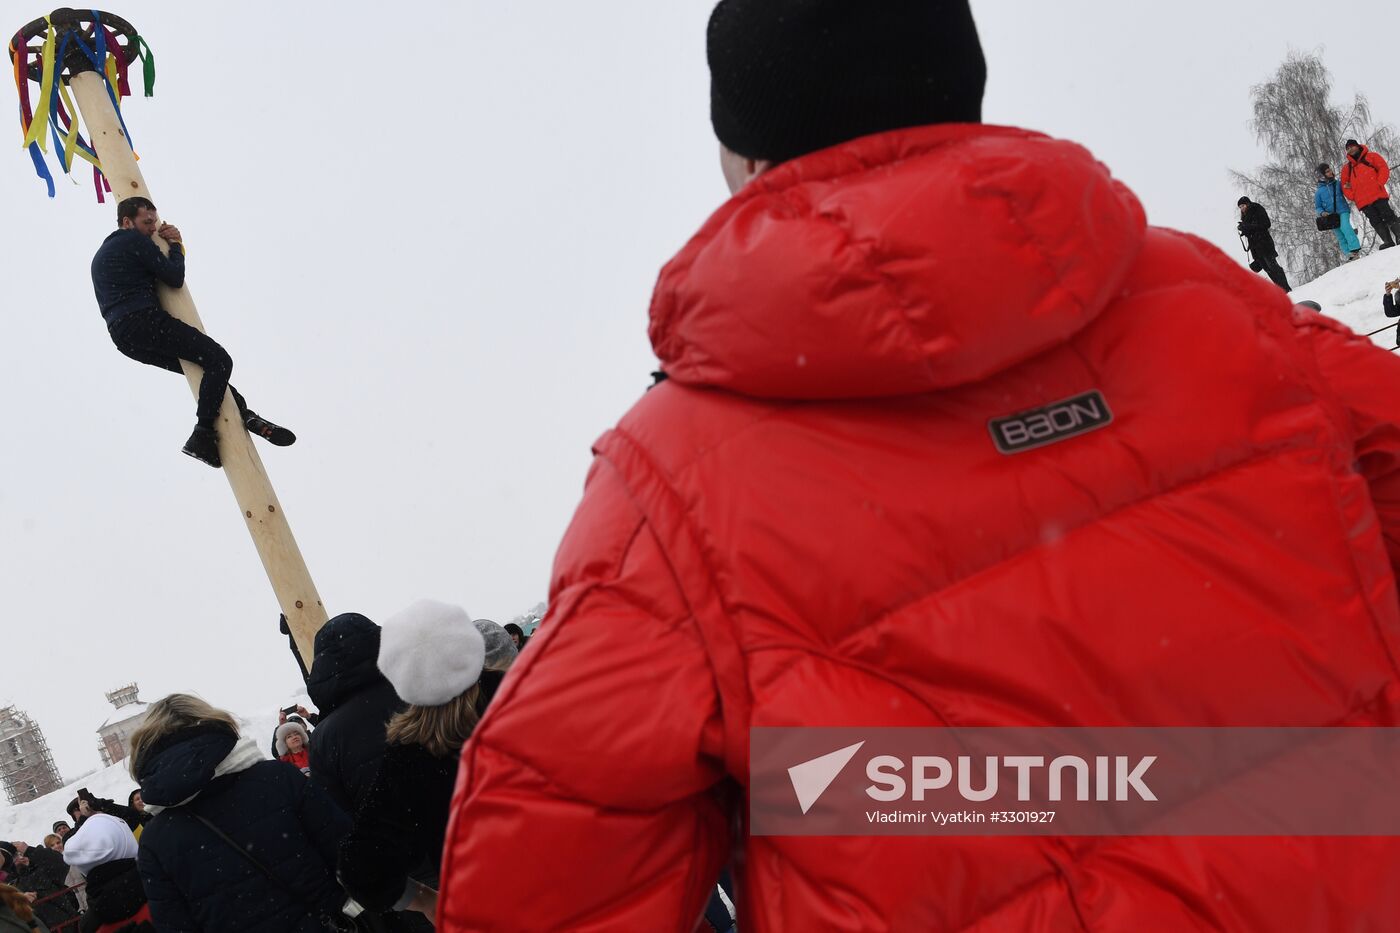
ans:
(267, 523)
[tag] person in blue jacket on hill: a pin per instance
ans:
(1329, 200)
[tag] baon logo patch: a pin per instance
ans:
(1051, 423)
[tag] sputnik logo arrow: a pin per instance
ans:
(811, 778)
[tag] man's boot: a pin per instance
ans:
(203, 445)
(274, 434)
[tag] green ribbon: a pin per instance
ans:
(148, 65)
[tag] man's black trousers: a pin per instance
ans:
(1275, 271)
(155, 338)
(1383, 220)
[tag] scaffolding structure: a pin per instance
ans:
(27, 771)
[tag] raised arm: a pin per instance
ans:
(168, 269)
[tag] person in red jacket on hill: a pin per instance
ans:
(823, 517)
(1364, 177)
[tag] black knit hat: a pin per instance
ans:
(1242, 201)
(789, 77)
(1349, 143)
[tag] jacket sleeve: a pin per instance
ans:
(597, 764)
(1317, 201)
(1367, 379)
(1382, 170)
(386, 842)
(133, 817)
(170, 913)
(169, 269)
(1388, 304)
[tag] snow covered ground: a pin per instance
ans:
(1352, 294)
(32, 821)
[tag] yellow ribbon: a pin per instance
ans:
(41, 109)
(70, 142)
(112, 79)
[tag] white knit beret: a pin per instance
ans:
(431, 652)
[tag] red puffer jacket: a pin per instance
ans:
(809, 523)
(1364, 178)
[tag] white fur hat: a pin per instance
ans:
(285, 729)
(101, 839)
(431, 652)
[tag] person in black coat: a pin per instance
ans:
(355, 702)
(35, 877)
(501, 653)
(1254, 227)
(105, 851)
(202, 779)
(433, 655)
(1389, 306)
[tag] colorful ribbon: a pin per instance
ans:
(53, 114)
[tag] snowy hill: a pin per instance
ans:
(1352, 294)
(32, 821)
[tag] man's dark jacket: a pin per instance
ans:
(115, 894)
(38, 879)
(196, 881)
(1255, 224)
(126, 269)
(399, 831)
(355, 703)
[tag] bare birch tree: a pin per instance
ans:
(1299, 126)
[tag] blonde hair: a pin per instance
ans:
(12, 898)
(172, 714)
(50, 839)
(442, 730)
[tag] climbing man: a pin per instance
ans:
(124, 275)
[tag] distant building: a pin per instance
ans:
(26, 767)
(114, 735)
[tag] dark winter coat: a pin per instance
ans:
(1255, 224)
(487, 685)
(355, 703)
(116, 899)
(126, 269)
(399, 830)
(50, 863)
(196, 881)
(1388, 303)
(36, 879)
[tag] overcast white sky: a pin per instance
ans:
(429, 244)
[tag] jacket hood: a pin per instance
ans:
(183, 763)
(896, 264)
(347, 661)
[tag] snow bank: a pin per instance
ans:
(1352, 293)
(31, 822)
